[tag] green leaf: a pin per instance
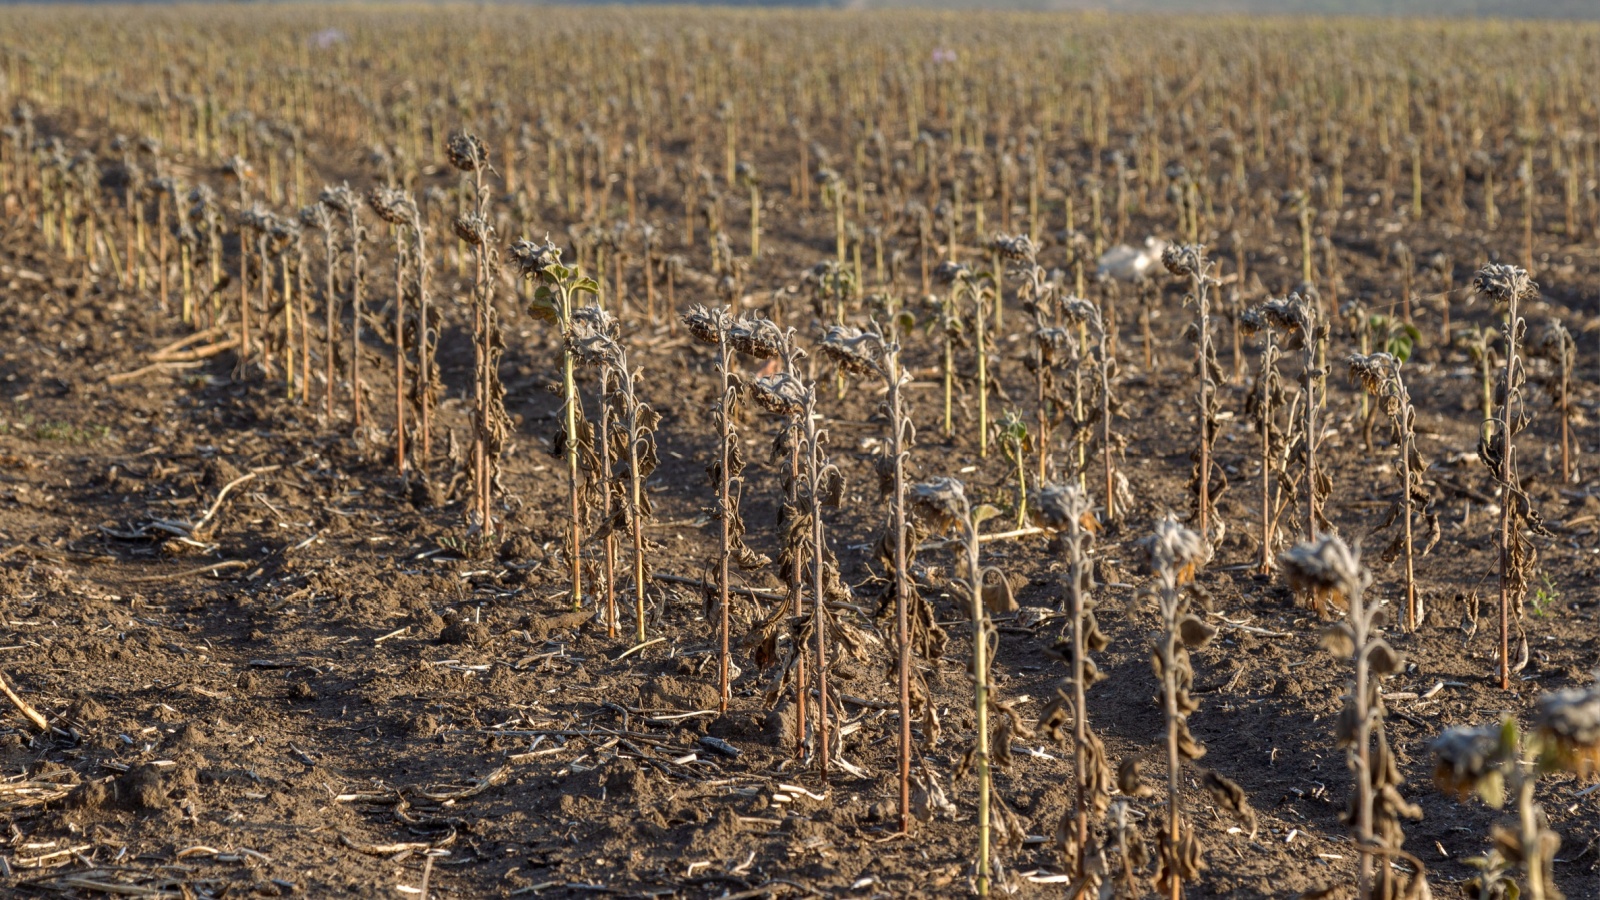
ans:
(1508, 739)
(586, 286)
(1491, 788)
(544, 309)
(984, 513)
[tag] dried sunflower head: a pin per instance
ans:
(1187, 260)
(533, 259)
(1464, 761)
(781, 394)
(1078, 311)
(1057, 506)
(1018, 248)
(471, 227)
(941, 502)
(949, 272)
(756, 337)
(1326, 568)
(1375, 372)
(339, 199)
(316, 217)
(466, 152)
(1503, 283)
(854, 351)
(392, 205)
(1569, 721)
(1174, 552)
(706, 325)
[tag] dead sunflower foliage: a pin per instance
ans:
(817, 484)
(1327, 571)
(1509, 286)
(1263, 406)
(491, 425)
(1379, 375)
(959, 280)
(1296, 318)
(626, 453)
(1208, 482)
(916, 629)
(1328, 568)
(555, 300)
(944, 500)
(1501, 762)
(720, 329)
(1070, 509)
(1559, 351)
(1175, 555)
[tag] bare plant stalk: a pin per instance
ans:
(1189, 260)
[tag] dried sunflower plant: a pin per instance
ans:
(1296, 317)
(1509, 286)
(491, 425)
(1092, 327)
(1559, 351)
(761, 339)
(342, 200)
(1328, 568)
(943, 504)
(1498, 761)
(1175, 556)
(1379, 376)
(555, 301)
(917, 633)
(1263, 405)
(1190, 261)
(1067, 509)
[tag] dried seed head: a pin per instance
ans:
(1077, 311)
(591, 336)
(1019, 248)
(1174, 552)
(534, 260)
(256, 218)
(854, 351)
(340, 199)
(236, 167)
(781, 394)
(316, 217)
(949, 272)
(471, 227)
(466, 152)
(1187, 260)
(706, 325)
(1327, 569)
(392, 205)
(1570, 720)
(941, 502)
(1464, 759)
(1503, 283)
(1057, 506)
(1375, 372)
(756, 337)
(1252, 322)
